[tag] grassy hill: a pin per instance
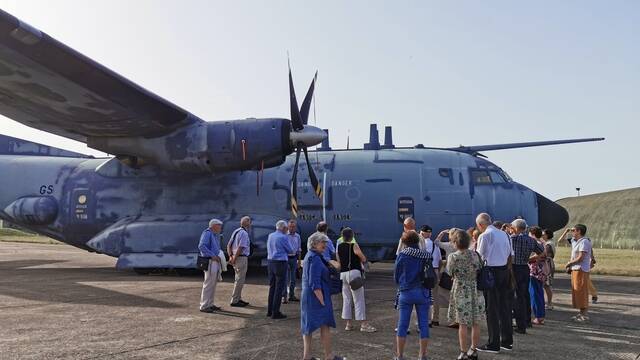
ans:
(612, 218)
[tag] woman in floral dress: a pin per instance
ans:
(466, 306)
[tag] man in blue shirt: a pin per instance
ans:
(278, 250)
(330, 251)
(209, 246)
(293, 262)
(239, 248)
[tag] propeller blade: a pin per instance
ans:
(312, 176)
(294, 185)
(306, 104)
(296, 121)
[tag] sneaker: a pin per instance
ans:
(348, 327)
(207, 310)
(581, 318)
(243, 302)
(285, 301)
(238, 304)
(487, 349)
(462, 356)
(520, 331)
(453, 326)
(368, 328)
(594, 300)
(506, 347)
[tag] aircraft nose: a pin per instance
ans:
(309, 136)
(551, 215)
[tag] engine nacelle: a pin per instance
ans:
(206, 146)
(33, 210)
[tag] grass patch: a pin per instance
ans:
(12, 232)
(609, 261)
(30, 239)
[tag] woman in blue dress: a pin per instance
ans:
(316, 309)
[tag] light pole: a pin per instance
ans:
(578, 190)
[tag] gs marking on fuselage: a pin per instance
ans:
(46, 190)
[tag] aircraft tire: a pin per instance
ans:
(143, 271)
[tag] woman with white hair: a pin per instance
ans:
(316, 309)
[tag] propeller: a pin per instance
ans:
(302, 137)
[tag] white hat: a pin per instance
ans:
(214, 222)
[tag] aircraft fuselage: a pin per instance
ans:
(154, 217)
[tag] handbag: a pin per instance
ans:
(485, 279)
(429, 280)
(335, 283)
(446, 281)
(203, 263)
(355, 283)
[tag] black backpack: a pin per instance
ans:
(430, 277)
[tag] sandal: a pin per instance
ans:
(368, 328)
(348, 327)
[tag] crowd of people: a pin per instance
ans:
(495, 272)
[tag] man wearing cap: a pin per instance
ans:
(278, 250)
(209, 247)
(239, 250)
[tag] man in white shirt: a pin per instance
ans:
(494, 246)
(434, 250)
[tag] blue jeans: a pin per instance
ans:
(421, 299)
(292, 265)
(536, 290)
(277, 276)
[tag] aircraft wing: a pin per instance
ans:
(46, 85)
(476, 149)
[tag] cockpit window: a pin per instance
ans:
(506, 176)
(480, 177)
(497, 178)
(444, 172)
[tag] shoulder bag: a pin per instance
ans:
(485, 279)
(429, 280)
(203, 263)
(355, 283)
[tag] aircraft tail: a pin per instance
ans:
(14, 146)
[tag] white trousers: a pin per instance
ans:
(240, 268)
(352, 298)
(209, 285)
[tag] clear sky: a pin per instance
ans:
(441, 73)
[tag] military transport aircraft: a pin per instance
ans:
(172, 171)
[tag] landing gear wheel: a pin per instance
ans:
(143, 271)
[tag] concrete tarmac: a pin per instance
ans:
(59, 302)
